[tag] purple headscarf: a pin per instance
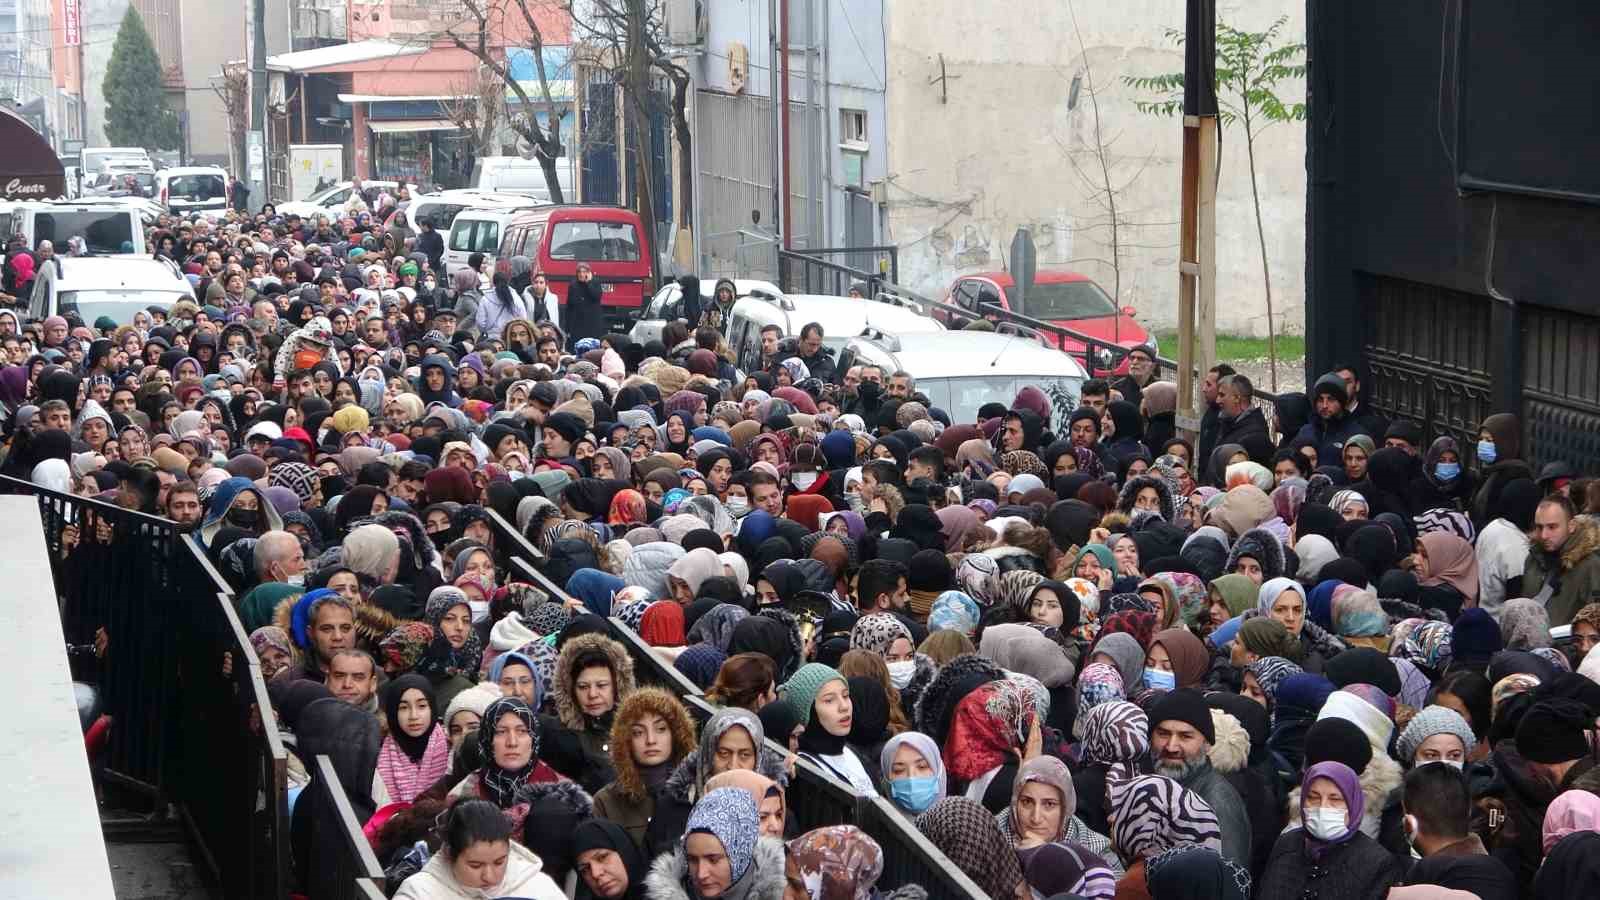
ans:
(1355, 805)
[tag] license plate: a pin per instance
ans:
(607, 287)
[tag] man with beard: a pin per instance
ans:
(183, 506)
(1181, 735)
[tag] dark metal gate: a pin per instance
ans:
(1561, 388)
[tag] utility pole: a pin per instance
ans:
(1197, 255)
(256, 140)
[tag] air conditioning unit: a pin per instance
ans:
(686, 23)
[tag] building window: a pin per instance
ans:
(853, 147)
(853, 126)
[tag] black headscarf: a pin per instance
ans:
(412, 747)
(1317, 518)
(355, 504)
(920, 525)
(599, 834)
(759, 634)
(500, 785)
(869, 713)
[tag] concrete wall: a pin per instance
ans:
(963, 175)
(212, 35)
(101, 19)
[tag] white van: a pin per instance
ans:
(515, 175)
(107, 225)
(478, 230)
(841, 318)
(190, 189)
(115, 286)
(960, 371)
(664, 306)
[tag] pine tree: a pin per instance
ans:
(136, 112)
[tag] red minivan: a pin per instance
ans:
(610, 239)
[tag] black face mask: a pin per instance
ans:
(868, 390)
(440, 539)
(334, 485)
(244, 518)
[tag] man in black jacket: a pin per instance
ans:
(1209, 421)
(1241, 422)
(1438, 807)
(818, 359)
(430, 244)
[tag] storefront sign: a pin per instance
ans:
(32, 188)
(70, 15)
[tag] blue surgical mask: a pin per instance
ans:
(914, 794)
(1486, 452)
(1447, 471)
(1157, 680)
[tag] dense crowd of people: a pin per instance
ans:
(1309, 656)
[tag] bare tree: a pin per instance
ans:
(475, 109)
(232, 87)
(473, 35)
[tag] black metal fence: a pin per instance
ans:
(835, 270)
(343, 866)
(191, 722)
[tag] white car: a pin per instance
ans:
(191, 189)
(117, 286)
(664, 306)
(330, 201)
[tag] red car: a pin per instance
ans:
(1060, 297)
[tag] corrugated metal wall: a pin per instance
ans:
(733, 139)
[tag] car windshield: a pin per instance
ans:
(594, 240)
(197, 187)
(1056, 300)
(119, 305)
(104, 230)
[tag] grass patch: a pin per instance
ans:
(1233, 347)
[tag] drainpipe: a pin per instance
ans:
(783, 117)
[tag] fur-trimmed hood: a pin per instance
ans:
(1137, 483)
(1231, 751)
(681, 784)
(567, 708)
(566, 793)
(1256, 544)
(646, 702)
(1582, 544)
(921, 677)
(1379, 780)
(934, 707)
(764, 880)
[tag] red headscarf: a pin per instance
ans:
(989, 724)
(806, 508)
(627, 508)
(662, 624)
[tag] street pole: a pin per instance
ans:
(1197, 256)
(256, 140)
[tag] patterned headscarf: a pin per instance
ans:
(729, 814)
(838, 862)
(877, 632)
(543, 657)
(954, 610)
(978, 577)
(716, 626)
(1016, 587)
(1116, 735)
(501, 784)
(1193, 598)
(1128, 601)
(989, 724)
(1088, 462)
(1448, 521)
(1270, 671)
(1088, 597)
(1509, 686)
(402, 648)
(1068, 869)
(1022, 462)
(1197, 872)
(971, 838)
(443, 661)
(1142, 625)
(1099, 683)
(1153, 814)
(1428, 645)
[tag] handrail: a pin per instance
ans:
(662, 672)
(541, 579)
(355, 842)
(515, 537)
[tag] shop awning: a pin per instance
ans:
(401, 126)
(384, 98)
(338, 56)
(29, 169)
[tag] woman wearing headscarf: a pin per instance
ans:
(820, 696)
(842, 862)
(1150, 815)
(992, 730)
(913, 771)
(417, 751)
(732, 860)
(1284, 599)
(610, 866)
(731, 739)
(966, 833)
(453, 659)
(1197, 873)
(1447, 569)
(1116, 739)
(649, 739)
(594, 675)
(509, 740)
(1500, 462)
(1328, 854)
(1043, 811)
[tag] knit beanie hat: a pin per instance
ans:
(1552, 731)
(1338, 740)
(1187, 706)
(929, 571)
(1432, 720)
(1363, 665)
(800, 691)
(475, 699)
(701, 663)
(1476, 637)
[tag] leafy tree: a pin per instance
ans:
(1249, 66)
(136, 111)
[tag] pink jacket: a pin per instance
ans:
(406, 779)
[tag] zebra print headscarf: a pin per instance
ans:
(1116, 734)
(1153, 814)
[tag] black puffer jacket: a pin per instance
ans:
(1358, 869)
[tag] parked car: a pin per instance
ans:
(106, 224)
(330, 201)
(1060, 297)
(959, 371)
(665, 307)
(189, 189)
(841, 318)
(610, 239)
(117, 286)
(515, 175)
(477, 229)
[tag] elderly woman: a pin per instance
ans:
(509, 741)
(1329, 855)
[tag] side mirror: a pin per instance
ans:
(1129, 311)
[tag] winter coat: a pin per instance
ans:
(581, 747)
(632, 815)
(1508, 809)
(1256, 784)
(524, 877)
(1357, 869)
(1248, 430)
(1232, 816)
(1466, 866)
(1503, 550)
(1329, 435)
(764, 880)
(1573, 574)
(1381, 778)
(581, 311)
(1210, 423)
(1493, 480)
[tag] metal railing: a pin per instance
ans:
(353, 870)
(809, 272)
(192, 725)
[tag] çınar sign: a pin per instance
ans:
(29, 169)
(16, 187)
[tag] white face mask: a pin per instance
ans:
(900, 673)
(737, 506)
(1326, 823)
(480, 610)
(803, 480)
(296, 580)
